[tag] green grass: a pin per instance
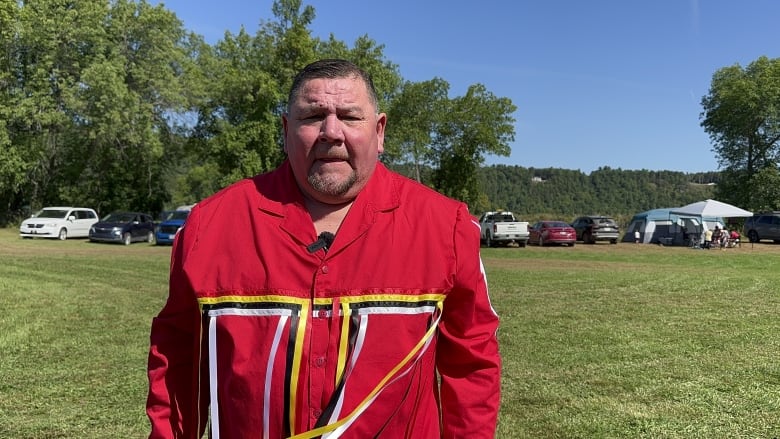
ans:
(598, 341)
(638, 341)
(74, 334)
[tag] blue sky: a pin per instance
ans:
(597, 83)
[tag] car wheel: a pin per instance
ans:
(571, 244)
(127, 238)
(753, 236)
(614, 241)
(541, 242)
(63, 235)
(150, 237)
(488, 241)
(522, 243)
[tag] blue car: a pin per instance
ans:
(167, 229)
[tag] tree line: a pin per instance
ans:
(113, 104)
(563, 194)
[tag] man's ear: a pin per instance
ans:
(381, 122)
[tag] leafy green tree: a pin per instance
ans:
(741, 114)
(129, 88)
(236, 135)
(766, 189)
(412, 119)
(89, 88)
(471, 126)
(39, 81)
(13, 163)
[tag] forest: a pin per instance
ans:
(554, 193)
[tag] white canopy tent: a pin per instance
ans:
(712, 208)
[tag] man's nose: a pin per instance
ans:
(331, 129)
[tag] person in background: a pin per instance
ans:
(717, 234)
(724, 238)
(734, 238)
(708, 238)
(637, 236)
(329, 297)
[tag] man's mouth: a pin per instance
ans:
(331, 159)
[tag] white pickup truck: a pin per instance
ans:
(502, 228)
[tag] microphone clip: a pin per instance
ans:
(324, 241)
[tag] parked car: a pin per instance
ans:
(592, 228)
(59, 222)
(764, 225)
(166, 230)
(502, 228)
(552, 232)
(124, 227)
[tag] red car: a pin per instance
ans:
(552, 232)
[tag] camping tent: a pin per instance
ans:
(712, 208)
(666, 226)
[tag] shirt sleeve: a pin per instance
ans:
(173, 403)
(467, 357)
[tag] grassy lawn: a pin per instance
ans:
(599, 341)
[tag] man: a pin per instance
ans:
(328, 298)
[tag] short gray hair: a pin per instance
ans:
(332, 69)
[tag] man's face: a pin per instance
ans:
(333, 137)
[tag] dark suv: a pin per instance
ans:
(763, 226)
(123, 227)
(592, 228)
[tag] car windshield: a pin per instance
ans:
(557, 224)
(119, 218)
(179, 215)
(165, 215)
(51, 213)
(607, 221)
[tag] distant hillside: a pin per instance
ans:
(552, 192)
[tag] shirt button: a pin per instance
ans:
(316, 413)
(319, 362)
(325, 269)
